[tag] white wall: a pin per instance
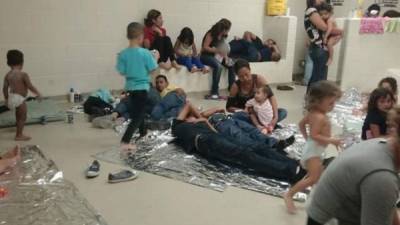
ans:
(75, 42)
(368, 57)
(297, 8)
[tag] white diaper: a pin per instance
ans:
(311, 149)
(15, 100)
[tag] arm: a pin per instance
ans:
(212, 111)
(230, 104)
(254, 118)
(176, 48)
(302, 127)
(318, 22)
(378, 199)
(329, 30)
(274, 105)
(5, 88)
(146, 43)
(30, 86)
(396, 219)
(194, 50)
(317, 122)
(206, 44)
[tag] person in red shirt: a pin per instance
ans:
(155, 37)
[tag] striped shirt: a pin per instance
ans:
(313, 33)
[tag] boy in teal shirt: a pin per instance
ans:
(136, 64)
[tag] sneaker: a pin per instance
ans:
(93, 170)
(123, 175)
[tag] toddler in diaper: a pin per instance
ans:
(320, 100)
(16, 87)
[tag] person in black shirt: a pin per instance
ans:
(380, 102)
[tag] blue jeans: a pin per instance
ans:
(319, 57)
(217, 68)
(308, 67)
(169, 107)
(189, 62)
(244, 50)
(270, 163)
(244, 133)
(243, 116)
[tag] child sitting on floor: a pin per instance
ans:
(326, 12)
(15, 90)
(391, 84)
(320, 101)
(263, 109)
(186, 50)
(380, 102)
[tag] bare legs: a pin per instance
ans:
(20, 115)
(314, 169)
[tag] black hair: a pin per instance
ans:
(374, 7)
(310, 3)
(239, 64)
(376, 95)
(162, 77)
(392, 14)
(186, 35)
(153, 14)
(325, 7)
(134, 30)
(15, 57)
(221, 26)
(391, 81)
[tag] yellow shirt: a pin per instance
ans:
(167, 90)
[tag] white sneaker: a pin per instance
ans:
(214, 96)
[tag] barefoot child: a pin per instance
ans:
(136, 64)
(186, 50)
(263, 109)
(320, 100)
(15, 90)
(326, 12)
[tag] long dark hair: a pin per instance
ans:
(186, 35)
(220, 27)
(151, 15)
(375, 96)
(391, 81)
(239, 64)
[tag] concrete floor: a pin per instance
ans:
(154, 200)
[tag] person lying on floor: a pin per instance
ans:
(196, 135)
(245, 88)
(253, 49)
(9, 159)
(172, 99)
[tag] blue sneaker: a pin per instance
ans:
(93, 170)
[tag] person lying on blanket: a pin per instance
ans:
(195, 134)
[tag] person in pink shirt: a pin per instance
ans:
(263, 109)
(155, 37)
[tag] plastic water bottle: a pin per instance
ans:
(70, 117)
(71, 95)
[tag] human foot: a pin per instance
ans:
(165, 65)
(329, 62)
(194, 69)
(205, 70)
(128, 149)
(22, 138)
(290, 207)
(176, 65)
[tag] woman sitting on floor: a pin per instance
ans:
(245, 89)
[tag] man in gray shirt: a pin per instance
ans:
(360, 187)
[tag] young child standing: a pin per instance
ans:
(263, 109)
(136, 64)
(326, 12)
(186, 50)
(320, 100)
(16, 86)
(379, 104)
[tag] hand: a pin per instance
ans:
(157, 31)
(180, 91)
(337, 143)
